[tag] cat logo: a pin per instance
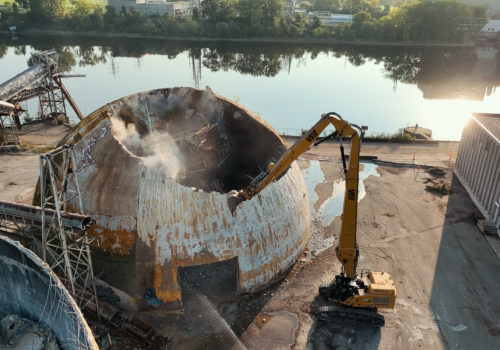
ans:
(351, 195)
(312, 136)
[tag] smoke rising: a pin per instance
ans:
(156, 149)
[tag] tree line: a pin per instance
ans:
(411, 20)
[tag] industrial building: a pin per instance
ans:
(156, 7)
(478, 164)
(491, 30)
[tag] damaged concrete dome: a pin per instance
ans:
(154, 170)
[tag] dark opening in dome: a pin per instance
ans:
(200, 139)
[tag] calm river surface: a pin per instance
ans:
(288, 85)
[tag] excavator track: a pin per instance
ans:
(341, 313)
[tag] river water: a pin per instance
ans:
(288, 85)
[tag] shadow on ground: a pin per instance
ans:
(340, 334)
(210, 322)
(464, 297)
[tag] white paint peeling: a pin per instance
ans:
(267, 233)
(172, 225)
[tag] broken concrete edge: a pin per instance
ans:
(75, 336)
(89, 119)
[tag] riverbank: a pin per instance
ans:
(329, 41)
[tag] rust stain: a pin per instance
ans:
(165, 283)
(120, 242)
(225, 223)
(271, 267)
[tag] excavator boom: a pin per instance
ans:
(349, 290)
(347, 251)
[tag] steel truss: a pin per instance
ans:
(65, 249)
(52, 99)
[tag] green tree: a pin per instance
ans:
(315, 22)
(306, 5)
(81, 8)
(196, 14)
(355, 6)
(326, 5)
(110, 18)
(46, 10)
(261, 16)
(218, 10)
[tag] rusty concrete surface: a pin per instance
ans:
(30, 290)
(155, 169)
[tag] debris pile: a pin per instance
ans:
(20, 333)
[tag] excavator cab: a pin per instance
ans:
(361, 296)
(376, 290)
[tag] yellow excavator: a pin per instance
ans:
(351, 295)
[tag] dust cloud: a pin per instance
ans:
(156, 149)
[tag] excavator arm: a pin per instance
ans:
(347, 251)
(360, 294)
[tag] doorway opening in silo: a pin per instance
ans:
(217, 281)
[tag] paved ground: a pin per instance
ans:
(445, 270)
(443, 267)
(19, 170)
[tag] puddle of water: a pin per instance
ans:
(369, 169)
(332, 207)
(313, 176)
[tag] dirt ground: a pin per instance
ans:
(445, 270)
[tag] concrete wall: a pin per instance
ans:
(478, 167)
(29, 289)
(150, 226)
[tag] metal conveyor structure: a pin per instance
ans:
(43, 80)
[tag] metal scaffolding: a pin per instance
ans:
(8, 131)
(66, 251)
(43, 80)
(52, 99)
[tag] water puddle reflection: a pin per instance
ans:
(332, 207)
(313, 175)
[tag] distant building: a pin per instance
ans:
(491, 30)
(340, 18)
(329, 19)
(301, 11)
(158, 7)
(478, 164)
